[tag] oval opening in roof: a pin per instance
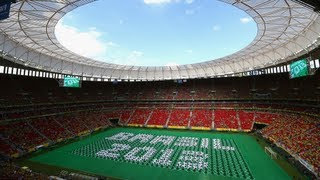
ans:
(156, 32)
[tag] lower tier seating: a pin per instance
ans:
(201, 118)
(179, 117)
(140, 116)
(226, 119)
(159, 117)
(246, 119)
(299, 135)
(26, 135)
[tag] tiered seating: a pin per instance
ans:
(313, 157)
(265, 118)
(114, 114)
(179, 117)
(201, 118)
(21, 90)
(72, 123)
(5, 148)
(183, 92)
(293, 126)
(246, 120)
(277, 122)
(299, 135)
(47, 130)
(96, 120)
(140, 116)
(164, 91)
(124, 116)
(203, 92)
(22, 135)
(148, 92)
(226, 119)
(159, 117)
(50, 128)
(302, 141)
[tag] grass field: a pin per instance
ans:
(132, 153)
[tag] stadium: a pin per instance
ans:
(251, 114)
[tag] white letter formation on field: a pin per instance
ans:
(114, 151)
(120, 136)
(194, 160)
(216, 143)
(132, 155)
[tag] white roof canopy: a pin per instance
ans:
(285, 30)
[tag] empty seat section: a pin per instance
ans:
(179, 117)
(225, 119)
(159, 117)
(201, 118)
(140, 116)
(246, 120)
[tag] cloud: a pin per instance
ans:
(245, 20)
(216, 28)
(112, 44)
(86, 43)
(189, 1)
(135, 54)
(90, 44)
(189, 12)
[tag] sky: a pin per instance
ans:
(156, 32)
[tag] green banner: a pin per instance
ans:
(71, 82)
(299, 69)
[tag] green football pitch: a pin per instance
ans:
(134, 153)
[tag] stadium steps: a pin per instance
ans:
(129, 119)
(175, 94)
(190, 115)
(70, 132)
(12, 144)
(212, 123)
(238, 120)
(169, 116)
(85, 125)
(253, 121)
(145, 124)
(36, 130)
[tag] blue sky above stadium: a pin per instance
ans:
(156, 32)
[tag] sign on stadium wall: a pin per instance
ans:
(299, 68)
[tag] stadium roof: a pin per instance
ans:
(286, 30)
